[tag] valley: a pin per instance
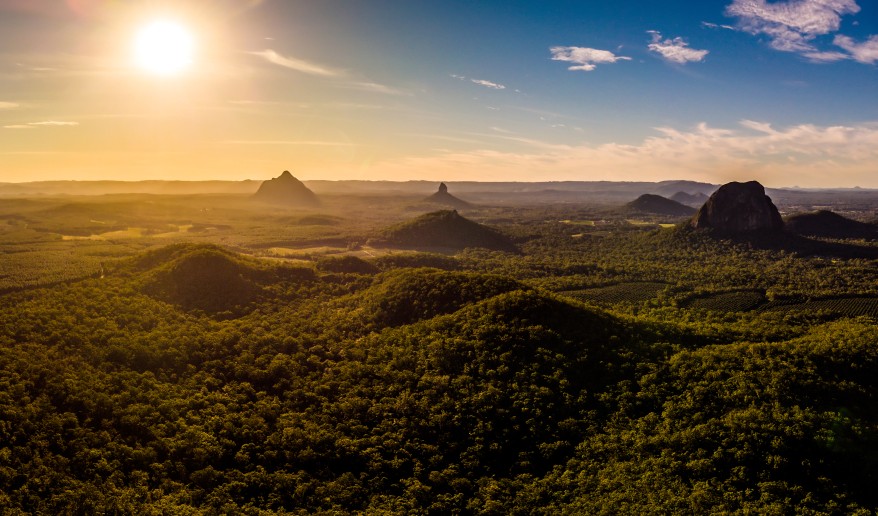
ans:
(384, 353)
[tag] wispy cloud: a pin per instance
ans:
(306, 67)
(813, 155)
(793, 26)
(299, 65)
(716, 26)
(865, 52)
(583, 58)
(675, 50)
(47, 123)
(8, 105)
(481, 82)
(488, 84)
(54, 123)
(373, 87)
(306, 143)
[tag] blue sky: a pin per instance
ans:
(783, 92)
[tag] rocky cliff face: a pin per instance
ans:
(286, 190)
(737, 207)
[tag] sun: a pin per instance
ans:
(164, 48)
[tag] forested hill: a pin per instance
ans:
(384, 386)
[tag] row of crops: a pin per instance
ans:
(740, 301)
(638, 292)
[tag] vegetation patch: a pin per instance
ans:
(638, 292)
(447, 229)
(729, 301)
(845, 306)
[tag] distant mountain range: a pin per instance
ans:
(658, 205)
(596, 192)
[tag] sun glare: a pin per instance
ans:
(164, 48)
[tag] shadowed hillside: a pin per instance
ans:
(446, 229)
(658, 205)
(409, 295)
(827, 224)
(209, 278)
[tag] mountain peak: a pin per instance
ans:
(286, 190)
(739, 207)
(443, 197)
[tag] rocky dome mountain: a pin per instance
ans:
(828, 224)
(696, 199)
(286, 190)
(658, 205)
(738, 207)
(443, 197)
(449, 229)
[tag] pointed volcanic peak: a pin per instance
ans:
(739, 207)
(658, 205)
(286, 190)
(446, 229)
(827, 224)
(446, 199)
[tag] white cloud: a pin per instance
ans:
(804, 154)
(826, 56)
(806, 17)
(761, 127)
(18, 126)
(8, 105)
(865, 52)
(480, 82)
(583, 58)
(793, 25)
(675, 50)
(373, 87)
(488, 84)
(298, 65)
(716, 26)
(54, 123)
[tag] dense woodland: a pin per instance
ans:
(163, 355)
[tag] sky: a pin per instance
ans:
(783, 92)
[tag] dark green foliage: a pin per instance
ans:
(409, 295)
(203, 279)
(459, 389)
(209, 278)
(761, 428)
(729, 301)
(348, 264)
(844, 306)
(624, 292)
(399, 260)
(447, 229)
